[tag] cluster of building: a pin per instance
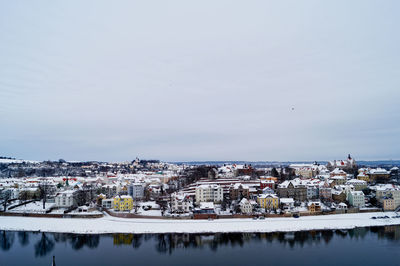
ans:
(338, 186)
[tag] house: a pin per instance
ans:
(342, 206)
(268, 201)
(123, 203)
(268, 190)
(245, 206)
(239, 191)
(312, 191)
(389, 204)
(358, 184)
(292, 189)
(107, 203)
(339, 196)
(286, 204)
(136, 191)
(65, 199)
(338, 172)
(363, 176)
(209, 193)
(388, 191)
(379, 175)
(267, 183)
(180, 203)
(356, 199)
(338, 180)
(314, 206)
(325, 191)
(204, 211)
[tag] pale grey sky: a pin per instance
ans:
(199, 80)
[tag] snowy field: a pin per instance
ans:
(110, 224)
(32, 207)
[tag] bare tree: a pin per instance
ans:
(5, 196)
(44, 188)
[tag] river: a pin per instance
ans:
(360, 246)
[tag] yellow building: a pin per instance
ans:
(388, 204)
(314, 206)
(123, 203)
(364, 177)
(268, 201)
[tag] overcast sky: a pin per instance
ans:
(199, 80)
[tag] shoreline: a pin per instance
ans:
(112, 225)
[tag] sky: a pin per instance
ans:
(199, 80)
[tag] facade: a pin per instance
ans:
(239, 191)
(268, 201)
(388, 204)
(65, 199)
(286, 204)
(356, 199)
(209, 193)
(325, 192)
(342, 206)
(180, 203)
(357, 184)
(136, 191)
(379, 175)
(123, 203)
(267, 183)
(363, 176)
(292, 189)
(338, 180)
(245, 206)
(314, 206)
(312, 192)
(107, 203)
(339, 196)
(388, 191)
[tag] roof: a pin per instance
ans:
(286, 200)
(206, 205)
(263, 196)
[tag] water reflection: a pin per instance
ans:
(44, 243)
(44, 246)
(23, 238)
(6, 240)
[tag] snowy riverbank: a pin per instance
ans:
(120, 225)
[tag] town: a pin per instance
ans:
(154, 189)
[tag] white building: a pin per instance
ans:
(312, 192)
(212, 193)
(388, 191)
(136, 190)
(358, 184)
(287, 203)
(180, 203)
(357, 199)
(245, 206)
(107, 203)
(65, 199)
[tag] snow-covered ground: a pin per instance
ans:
(149, 212)
(32, 207)
(110, 224)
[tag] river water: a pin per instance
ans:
(360, 246)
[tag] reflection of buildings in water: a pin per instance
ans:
(44, 246)
(358, 232)
(122, 239)
(23, 238)
(391, 232)
(6, 240)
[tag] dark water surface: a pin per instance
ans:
(360, 246)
